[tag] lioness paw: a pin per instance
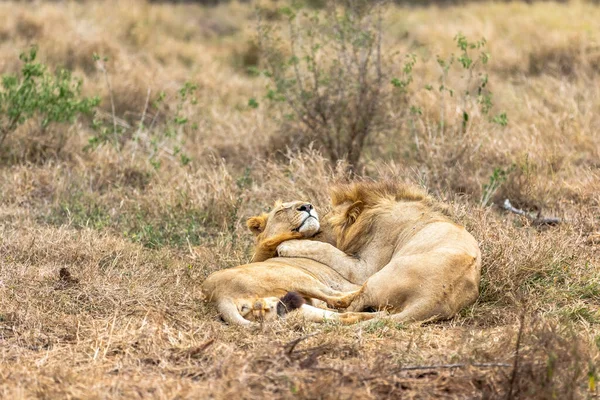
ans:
(288, 248)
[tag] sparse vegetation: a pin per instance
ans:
(330, 70)
(155, 141)
(102, 250)
(36, 93)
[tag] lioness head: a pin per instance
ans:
(294, 216)
(293, 220)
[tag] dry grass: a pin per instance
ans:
(126, 320)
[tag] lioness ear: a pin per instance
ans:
(353, 212)
(257, 224)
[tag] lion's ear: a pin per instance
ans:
(257, 224)
(353, 212)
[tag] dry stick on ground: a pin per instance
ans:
(292, 345)
(537, 220)
(195, 351)
(443, 366)
(450, 366)
(515, 370)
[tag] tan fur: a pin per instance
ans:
(412, 259)
(251, 292)
(268, 248)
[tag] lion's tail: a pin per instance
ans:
(291, 301)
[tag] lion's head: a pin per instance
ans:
(293, 216)
(291, 220)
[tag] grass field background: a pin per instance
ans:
(137, 231)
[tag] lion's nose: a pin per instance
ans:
(305, 207)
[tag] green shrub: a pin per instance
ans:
(337, 84)
(37, 93)
(328, 69)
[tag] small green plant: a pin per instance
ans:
(497, 178)
(176, 226)
(377, 326)
(407, 78)
(476, 90)
(79, 210)
(154, 140)
(500, 119)
(37, 93)
(592, 377)
(252, 103)
(578, 313)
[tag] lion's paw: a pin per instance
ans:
(288, 248)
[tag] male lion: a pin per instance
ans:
(412, 259)
(252, 292)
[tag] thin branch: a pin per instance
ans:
(293, 37)
(313, 63)
(292, 345)
(141, 124)
(515, 370)
(537, 220)
(450, 366)
(337, 371)
(15, 120)
(444, 366)
(379, 35)
(112, 100)
(11, 127)
(442, 101)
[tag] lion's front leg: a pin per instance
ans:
(349, 267)
(268, 248)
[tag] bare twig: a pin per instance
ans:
(11, 127)
(444, 366)
(515, 369)
(537, 220)
(451, 366)
(337, 371)
(442, 100)
(197, 350)
(13, 122)
(119, 121)
(102, 67)
(313, 358)
(193, 352)
(293, 38)
(292, 345)
(141, 124)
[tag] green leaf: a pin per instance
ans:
(252, 103)
(500, 119)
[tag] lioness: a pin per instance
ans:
(251, 292)
(412, 259)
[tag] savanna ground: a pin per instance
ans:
(136, 226)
